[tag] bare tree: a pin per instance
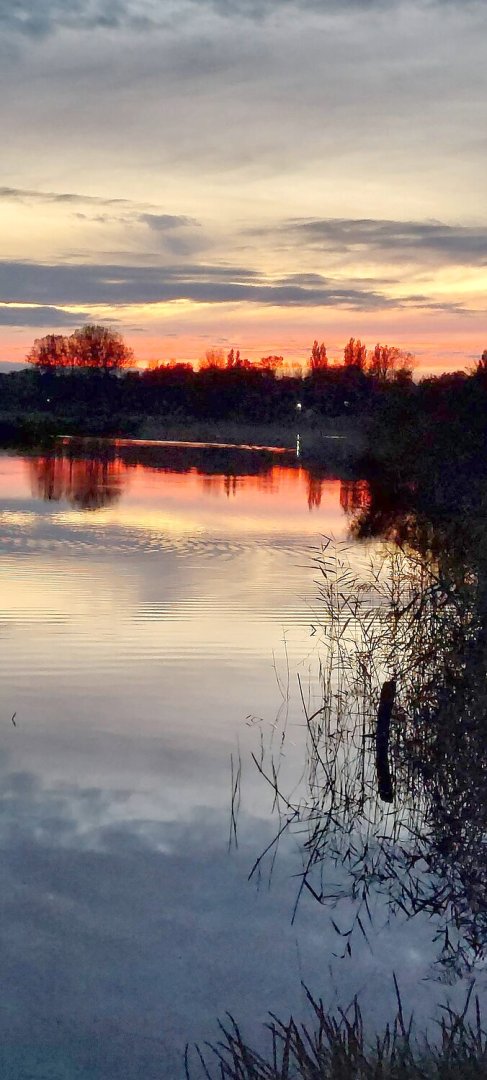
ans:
(214, 358)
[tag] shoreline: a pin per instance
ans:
(339, 441)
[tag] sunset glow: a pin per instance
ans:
(200, 175)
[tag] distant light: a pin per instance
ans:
(48, 400)
(346, 403)
(299, 406)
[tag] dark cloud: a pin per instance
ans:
(37, 18)
(449, 243)
(14, 315)
(259, 9)
(164, 222)
(123, 285)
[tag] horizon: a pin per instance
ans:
(283, 366)
(286, 370)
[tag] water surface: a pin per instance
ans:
(156, 608)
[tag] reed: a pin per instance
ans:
(335, 1046)
(418, 623)
(403, 647)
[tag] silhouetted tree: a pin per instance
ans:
(233, 358)
(387, 361)
(178, 365)
(272, 363)
(214, 358)
(318, 359)
(100, 348)
(355, 354)
(50, 353)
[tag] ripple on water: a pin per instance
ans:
(89, 537)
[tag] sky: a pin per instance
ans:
(245, 173)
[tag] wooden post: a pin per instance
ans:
(384, 779)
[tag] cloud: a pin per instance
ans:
(213, 98)
(46, 316)
(164, 222)
(56, 285)
(180, 235)
(413, 239)
(38, 18)
(26, 195)
(177, 230)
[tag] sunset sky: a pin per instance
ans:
(254, 173)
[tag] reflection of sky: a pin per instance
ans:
(124, 936)
(136, 640)
(165, 612)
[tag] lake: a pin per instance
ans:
(157, 605)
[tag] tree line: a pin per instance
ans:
(102, 349)
(88, 383)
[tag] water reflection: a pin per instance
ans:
(354, 495)
(92, 474)
(397, 754)
(315, 488)
(136, 640)
(135, 643)
(86, 483)
(111, 962)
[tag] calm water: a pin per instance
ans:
(155, 610)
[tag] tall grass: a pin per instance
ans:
(415, 620)
(335, 1046)
(420, 622)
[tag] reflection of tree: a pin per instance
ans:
(230, 485)
(354, 495)
(213, 485)
(315, 488)
(220, 468)
(88, 483)
(418, 617)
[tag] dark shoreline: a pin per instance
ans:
(332, 444)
